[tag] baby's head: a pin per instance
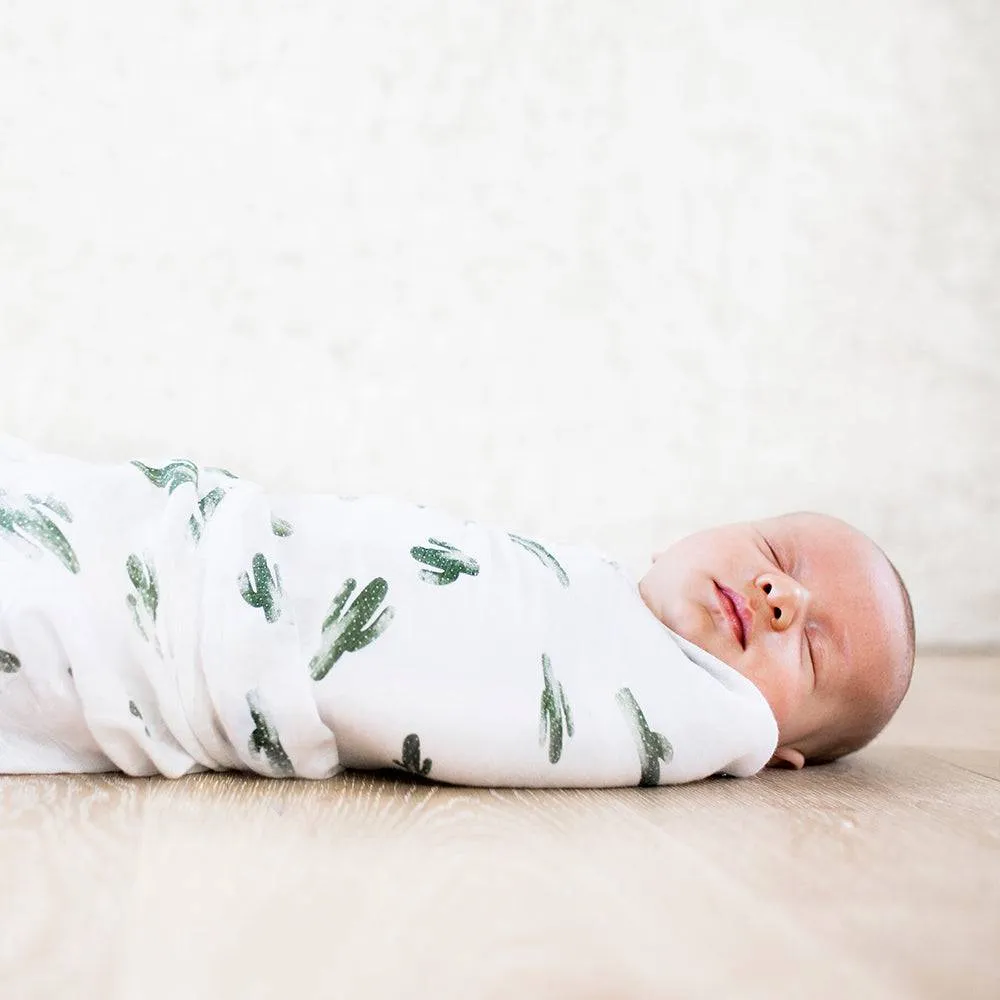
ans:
(806, 607)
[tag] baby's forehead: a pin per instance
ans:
(815, 522)
(828, 538)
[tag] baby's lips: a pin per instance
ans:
(743, 611)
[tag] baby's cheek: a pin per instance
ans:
(684, 617)
(697, 626)
(781, 691)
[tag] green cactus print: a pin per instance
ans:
(145, 601)
(411, 757)
(543, 555)
(264, 739)
(29, 520)
(280, 527)
(554, 710)
(265, 592)
(208, 503)
(9, 663)
(221, 471)
(181, 472)
(651, 746)
(345, 632)
(174, 474)
(54, 505)
(448, 561)
(134, 709)
(206, 508)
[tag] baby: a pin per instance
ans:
(171, 618)
(806, 607)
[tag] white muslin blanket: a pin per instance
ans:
(161, 617)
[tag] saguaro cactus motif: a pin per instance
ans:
(543, 555)
(9, 663)
(265, 592)
(350, 630)
(448, 562)
(651, 746)
(206, 508)
(180, 472)
(411, 757)
(134, 710)
(554, 711)
(29, 520)
(221, 471)
(172, 475)
(264, 738)
(280, 527)
(145, 601)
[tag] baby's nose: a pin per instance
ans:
(784, 598)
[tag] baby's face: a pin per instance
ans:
(804, 605)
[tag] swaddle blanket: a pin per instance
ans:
(161, 617)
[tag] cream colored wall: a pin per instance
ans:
(605, 271)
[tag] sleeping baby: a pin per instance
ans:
(161, 617)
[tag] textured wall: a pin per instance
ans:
(607, 271)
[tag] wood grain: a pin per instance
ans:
(876, 876)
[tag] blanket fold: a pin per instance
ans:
(166, 618)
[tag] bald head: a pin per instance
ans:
(873, 714)
(828, 637)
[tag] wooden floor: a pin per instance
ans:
(874, 877)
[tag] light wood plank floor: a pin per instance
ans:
(878, 876)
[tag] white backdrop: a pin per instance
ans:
(606, 272)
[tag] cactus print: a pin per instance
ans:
(411, 761)
(280, 527)
(543, 555)
(211, 500)
(265, 592)
(134, 710)
(206, 508)
(174, 474)
(146, 599)
(264, 739)
(554, 711)
(651, 746)
(181, 472)
(350, 630)
(448, 562)
(29, 520)
(201, 585)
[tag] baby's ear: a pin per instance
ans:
(787, 757)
